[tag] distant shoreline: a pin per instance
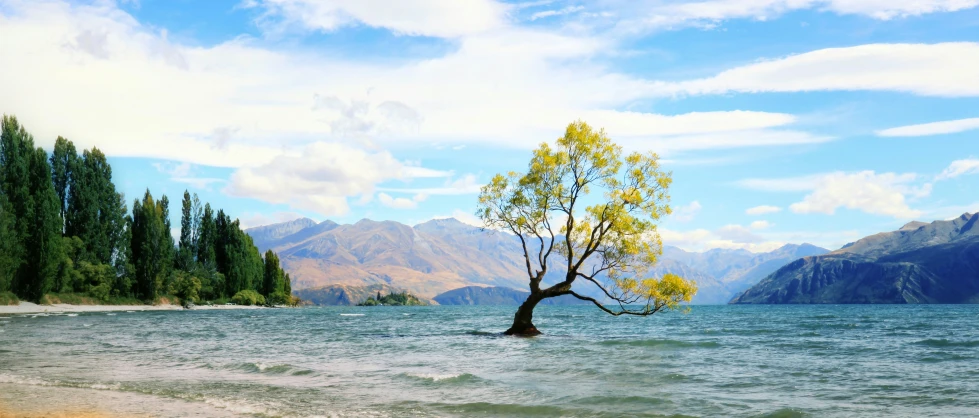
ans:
(32, 308)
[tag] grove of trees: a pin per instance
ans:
(64, 229)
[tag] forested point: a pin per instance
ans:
(66, 235)
(393, 299)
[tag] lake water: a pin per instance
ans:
(778, 361)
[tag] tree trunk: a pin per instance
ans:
(523, 320)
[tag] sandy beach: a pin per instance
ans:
(31, 308)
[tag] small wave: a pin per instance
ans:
(33, 381)
(71, 314)
(784, 413)
(483, 333)
(944, 343)
(268, 369)
(351, 314)
(239, 406)
(661, 343)
(110, 314)
(442, 378)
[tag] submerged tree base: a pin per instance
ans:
(530, 331)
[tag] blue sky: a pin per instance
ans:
(783, 121)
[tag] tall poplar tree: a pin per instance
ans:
(63, 161)
(147, 232)
(273, 274)
(42, 248)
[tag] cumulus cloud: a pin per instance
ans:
(883, 194)
(319, 179)
(401, 202)
(934, 128)
(762, 210)
(960, 168)
(760, 225)
(239, 104)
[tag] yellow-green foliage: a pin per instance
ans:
(8, 298)
(248, 297)
(595, 210)
(185, 286)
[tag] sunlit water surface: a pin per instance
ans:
(779, 361)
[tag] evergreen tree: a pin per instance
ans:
(287, 286)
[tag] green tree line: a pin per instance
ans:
(65, 229)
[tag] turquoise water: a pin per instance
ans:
(779, 361)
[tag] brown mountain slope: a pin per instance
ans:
(429, 259)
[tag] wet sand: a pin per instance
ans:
(30, 401)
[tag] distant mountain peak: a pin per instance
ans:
(911, 226)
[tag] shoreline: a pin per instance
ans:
(33, 308)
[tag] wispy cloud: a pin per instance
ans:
(933, 128)
(762, 210)
(960, 168)
(945, 70)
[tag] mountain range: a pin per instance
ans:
(438, 256)
(934, 262)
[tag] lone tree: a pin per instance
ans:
(590, 215)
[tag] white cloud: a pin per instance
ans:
(319, 179)
(440, 18)
(686, 213)
(183, 173)
(173, 169)
(401, 202)
(729, 237)
(760, 225)
(466, 184)
(203, 183)
(762, 210)
(238, 104)
(654, 14)
(738, 234)
(556, 12)
(934, 128)
(960, 168)
(945, 69)
(737, 237)
(878, 194)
